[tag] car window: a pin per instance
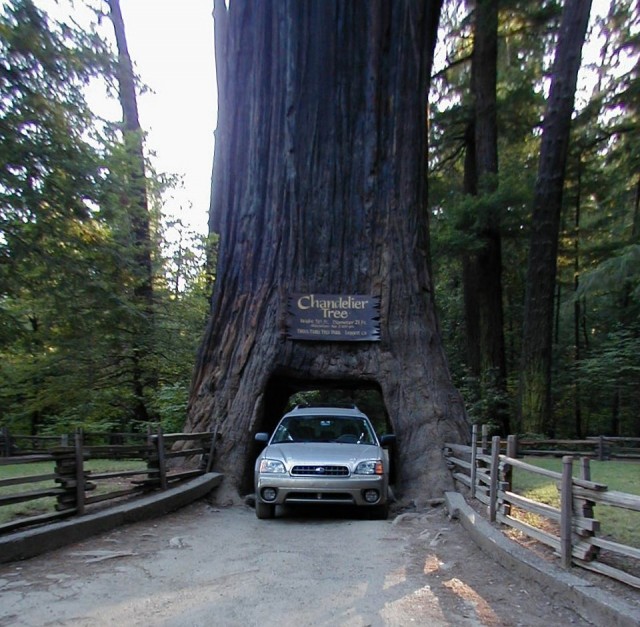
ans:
(282, 433)
(347, 430)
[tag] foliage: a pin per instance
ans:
(73, 336)
(595, 380)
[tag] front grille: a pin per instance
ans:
(319, 470)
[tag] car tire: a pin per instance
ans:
(380, 512)
(264, 511)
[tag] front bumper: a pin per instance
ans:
(335, 490)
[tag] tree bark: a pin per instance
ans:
(319, 186)
(535, 413)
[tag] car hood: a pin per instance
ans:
(305, 453)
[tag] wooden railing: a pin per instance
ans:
(601, 447)
(571, 530)
(75, 487)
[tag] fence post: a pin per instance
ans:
(601, 448)
(67, 476)
(587, 508)
(6, 442)
(493, 487)
(153, 474)
(162, 465)
(79, 463)
(485, 439)
(585, 473)
(566, 510)
(212, 449)
(512, 451)
(474, 453)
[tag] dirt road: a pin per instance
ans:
(206, 565)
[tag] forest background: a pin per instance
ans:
(93, 336)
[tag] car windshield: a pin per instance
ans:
(346, 430)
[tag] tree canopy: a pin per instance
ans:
(598, 220)
(71, 320)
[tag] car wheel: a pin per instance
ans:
(380, 512)
(265, 511)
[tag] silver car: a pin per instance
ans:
(323, 455)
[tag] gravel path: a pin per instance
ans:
(207, 565)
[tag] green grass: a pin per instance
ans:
(620, 525)
(47, 504)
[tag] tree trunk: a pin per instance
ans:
(577, 309)
(635, 228)
(535, 373)
(319, 187)
(470, 277)
(482, 268)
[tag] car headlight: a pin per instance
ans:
(370, 467)
(272, 465)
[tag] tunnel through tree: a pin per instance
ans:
(319, 188)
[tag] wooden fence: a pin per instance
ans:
(74, 486)
(600, 447)
(570, 530)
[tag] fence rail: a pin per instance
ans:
(571, 530)
(76, 487)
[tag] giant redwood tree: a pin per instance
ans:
(319, 187)
(482, 265)
(535, 403)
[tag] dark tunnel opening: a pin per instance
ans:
(284, 392)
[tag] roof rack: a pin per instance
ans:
(323, 404)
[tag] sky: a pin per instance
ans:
(171, 46)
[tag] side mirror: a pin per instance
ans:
(387, 439)
(262, 437)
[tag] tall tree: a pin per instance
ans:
(134, 199)
(319, 186)
(478, 222)
(535, 373)
(482, 265)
